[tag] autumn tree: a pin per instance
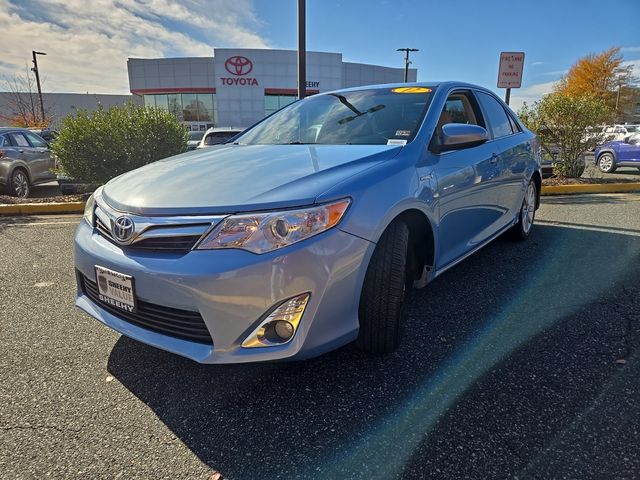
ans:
(602, 76)
(23, 105)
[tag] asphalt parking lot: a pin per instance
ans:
(521, 362)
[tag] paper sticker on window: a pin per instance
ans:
(396, 141)
(411, 90)
(403, 133)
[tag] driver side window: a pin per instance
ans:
(460, 107)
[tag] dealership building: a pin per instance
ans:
(237, 87)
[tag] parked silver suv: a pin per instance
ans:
(25, 160)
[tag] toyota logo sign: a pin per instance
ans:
(238, 65)
(123, 228)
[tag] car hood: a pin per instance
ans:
(234, 178)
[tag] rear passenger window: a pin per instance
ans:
(497, 118)
(19, 140)
(515, 128)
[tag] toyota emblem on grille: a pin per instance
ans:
(123, 228)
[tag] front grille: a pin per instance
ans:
(174, 322)
(174, 243)
(178, 244)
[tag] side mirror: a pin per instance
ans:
(455, 136)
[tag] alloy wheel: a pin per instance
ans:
(528, 208)
(20, 184)
(606, 162)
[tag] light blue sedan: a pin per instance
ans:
(304, 233)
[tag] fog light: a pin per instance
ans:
(279, 326)
(284, 330)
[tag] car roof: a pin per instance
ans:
(431, 85)
(225, 129)
(13, 129)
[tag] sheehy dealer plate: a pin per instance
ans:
(116, 289)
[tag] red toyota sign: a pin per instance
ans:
(238, 65)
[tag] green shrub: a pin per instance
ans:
(561, 121)
(95, 147)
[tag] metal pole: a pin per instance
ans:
(35, 70)
(406, 66)
(507, 96)
(406, 61)
(302, 50)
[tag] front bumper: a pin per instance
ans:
(233, 289)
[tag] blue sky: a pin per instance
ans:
(88, 43)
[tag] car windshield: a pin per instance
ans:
(632, 128)
(196, 135)
(360, 117)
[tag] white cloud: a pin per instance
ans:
(630, 49)
(88, 44)
(535, 64)
(529, 94)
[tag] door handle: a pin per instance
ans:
(494, 159)
(20, 150)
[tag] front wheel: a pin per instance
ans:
(606, 163)
(382, 298)
(521, 230)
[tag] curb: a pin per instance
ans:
(590, 188)
(41, 208)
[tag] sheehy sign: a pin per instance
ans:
(510, 71)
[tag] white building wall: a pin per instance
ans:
(240, 97)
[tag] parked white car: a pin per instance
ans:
(218, 135)
(619, 132)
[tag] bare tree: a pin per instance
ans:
(23, 104)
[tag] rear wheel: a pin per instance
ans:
(381, 302)
(606, 163)
(521, 230)
(18, 185)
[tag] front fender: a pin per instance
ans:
(381, 194)
(605, 150)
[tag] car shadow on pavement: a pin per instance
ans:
(500, 360)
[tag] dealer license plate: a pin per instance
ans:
(116, 289)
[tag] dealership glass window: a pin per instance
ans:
(189, 107)
(205, 107)
(174, 103)
(276, 102)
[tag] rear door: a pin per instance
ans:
(514, 154)
(28, 155)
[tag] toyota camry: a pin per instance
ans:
(304, 233)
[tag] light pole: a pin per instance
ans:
(35, 70)
(302, 50)
(406, 61)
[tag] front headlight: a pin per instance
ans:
(264, 232)
(89, 208)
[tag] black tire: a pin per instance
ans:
(18, 185)
(607, 163)
(382, 298)
(521, 230)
